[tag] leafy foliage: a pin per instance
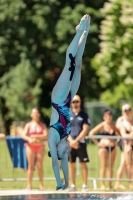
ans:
(114, 62)
(17, 81)
(34, 36)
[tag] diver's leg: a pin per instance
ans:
(63, 85)
(78, 59)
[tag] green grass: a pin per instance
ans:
(6, 170)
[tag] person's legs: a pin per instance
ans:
(112, 156)
(120, 173)
(72, 171)
(132, 168)
(103, 155)
(39, 164)
(128, 159)
(83, 158)
(63, 85)
(84, 169)
(31, 159)
(78, 59)
(72, 154)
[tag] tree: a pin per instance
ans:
(114, 63)
(38, 33)
(19, 80)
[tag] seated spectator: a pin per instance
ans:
(35, 133)
(107, 146)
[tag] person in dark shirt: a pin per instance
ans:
(79, 125)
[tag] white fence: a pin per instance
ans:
(8, 173)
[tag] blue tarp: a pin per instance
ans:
(17, 152)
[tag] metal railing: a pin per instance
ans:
(94, 177)
(8, 173)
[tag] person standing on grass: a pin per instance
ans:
(122, 166)
(35, 133)
(107, 145)
(126, 130)
(79, 124)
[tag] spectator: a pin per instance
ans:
(126, 130)
(35, 132)
(122, 166)
(79, 124)
(107, 146)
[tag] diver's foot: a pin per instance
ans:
(82, 24)
(87, 27)
(65, 186)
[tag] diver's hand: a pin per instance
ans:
(66, 185)
(60, 187)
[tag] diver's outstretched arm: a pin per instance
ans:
(64, 166)
(55, 164)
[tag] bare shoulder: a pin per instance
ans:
(100, 126)
(27, 125)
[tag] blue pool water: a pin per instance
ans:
(69, 197)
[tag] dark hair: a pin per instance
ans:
(107, 111)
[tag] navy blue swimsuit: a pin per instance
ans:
(63, 124)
